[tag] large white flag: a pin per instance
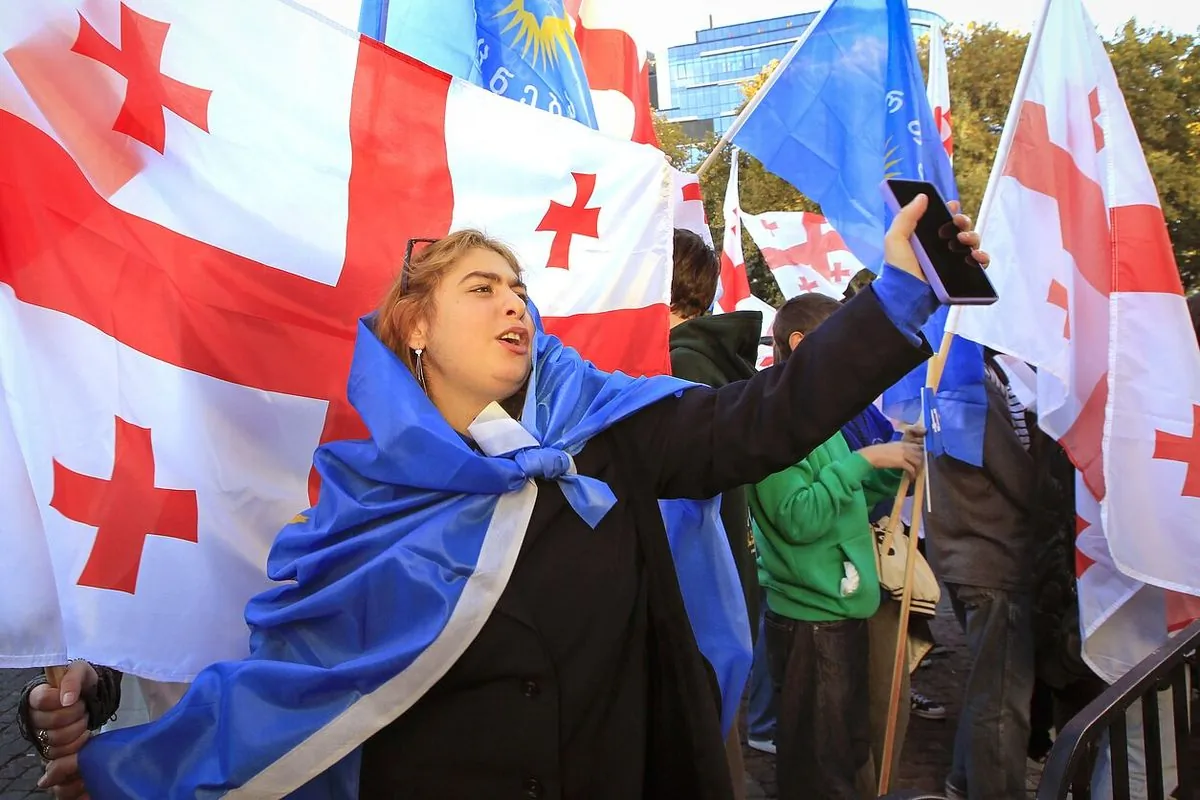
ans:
(197, 203)
(1091, 296)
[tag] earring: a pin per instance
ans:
(420, 368)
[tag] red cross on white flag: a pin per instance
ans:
(804, 252)
(1091, 296)
(734, 286)
(938, 89)
(689, 204)
(197, 203)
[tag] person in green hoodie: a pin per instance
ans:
(817, 563)
(716, 350)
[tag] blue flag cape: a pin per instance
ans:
(388, 579)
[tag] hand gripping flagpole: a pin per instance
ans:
(54, 675)
(933, 379)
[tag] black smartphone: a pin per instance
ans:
(953, 273)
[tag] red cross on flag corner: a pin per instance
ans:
(1091, 296)
(169, 362)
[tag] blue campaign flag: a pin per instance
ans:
(522, 49)
(847, 110)
(388, 579)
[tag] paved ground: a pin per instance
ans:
(19, 765)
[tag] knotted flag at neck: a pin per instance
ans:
(388, 579)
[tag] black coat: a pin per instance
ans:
(586, 681)
(981, 532)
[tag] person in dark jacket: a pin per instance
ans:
(982, 544)
(585, 679)
(716, 350)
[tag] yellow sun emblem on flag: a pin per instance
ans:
(548, 38)
(890, 160)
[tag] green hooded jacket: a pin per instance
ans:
(810, 522)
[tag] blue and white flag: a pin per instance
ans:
(390, 577)
(521, 49)
(848, 110)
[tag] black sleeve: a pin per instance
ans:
(706, 441)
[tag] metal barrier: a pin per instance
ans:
(1068, 767)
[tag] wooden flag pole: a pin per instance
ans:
(900, 662)
(54, 675)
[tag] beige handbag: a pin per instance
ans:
(891, 557)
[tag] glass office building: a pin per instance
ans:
(705, 77)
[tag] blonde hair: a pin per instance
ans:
(405, 306)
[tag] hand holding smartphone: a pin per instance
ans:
(953, 273)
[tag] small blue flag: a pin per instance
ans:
(934, 446)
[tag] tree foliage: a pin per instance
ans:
(984, 62)
(1159, 74)
(673, 140)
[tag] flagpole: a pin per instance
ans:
(933, 377)
(762, 92)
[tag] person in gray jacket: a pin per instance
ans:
(982, 544)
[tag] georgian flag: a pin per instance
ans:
(688, 203)
(733, 288)
(1091, 296)
(938, 89)
(608, 33)
(198, 201)
(804, 252)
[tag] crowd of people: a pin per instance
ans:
(585, 680)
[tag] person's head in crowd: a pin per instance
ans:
(457, 318)
(694, 279)
(797, 318)
(1193, 304)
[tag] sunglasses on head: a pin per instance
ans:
(406, 268)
